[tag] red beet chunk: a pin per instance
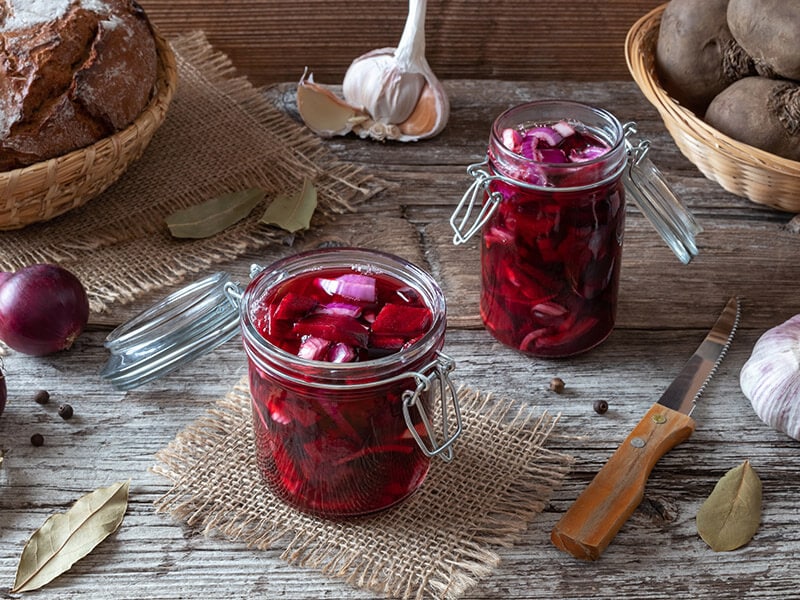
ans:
(386, 342)
(334, 328)
(396, 320)
(293, 307)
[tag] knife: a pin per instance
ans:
(588, 527)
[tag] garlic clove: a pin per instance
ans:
(429, 116)
(770, 378)
(324, 112)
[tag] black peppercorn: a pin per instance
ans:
(37, 439)
(600, 407)
(42, 397)
(65, 411)
(557, 385)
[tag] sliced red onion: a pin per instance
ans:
(496, 235)
(587, 153)
(313, 348)
(550, 309)
(564, 129)
(527, 147)
(340, 353)
(552, 155)
(351, 285)
(548, 135)
(511, 139)
(408, 294)
(531, 338)
(340, 308)
(534, 175)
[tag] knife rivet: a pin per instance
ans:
(637, 442)
(659, 418)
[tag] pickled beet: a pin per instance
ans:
(338, 451)
(360, 316)
(551, 252)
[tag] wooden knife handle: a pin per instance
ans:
(590, 524)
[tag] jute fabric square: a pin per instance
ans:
(438, 543)
(220, 135)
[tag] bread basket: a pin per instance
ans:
(50, 188)
(743, 170)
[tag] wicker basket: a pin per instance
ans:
(743, 170)
(50, 188)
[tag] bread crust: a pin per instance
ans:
(72, 80)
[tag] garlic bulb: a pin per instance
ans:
(771, 377)
(390, 93)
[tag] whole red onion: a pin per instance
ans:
(43, 308)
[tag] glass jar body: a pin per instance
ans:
(331, 438)
(551, 251)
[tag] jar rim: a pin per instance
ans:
(616, 141)
(361, 260)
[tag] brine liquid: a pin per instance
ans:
(550, 259)
(337, 451)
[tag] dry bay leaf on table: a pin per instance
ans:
(293, 212)
(212, 216)
(65, 538)
(731, 515)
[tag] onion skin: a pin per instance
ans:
(43, 308)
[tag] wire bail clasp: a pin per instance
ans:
(438, 375)
(482, 179)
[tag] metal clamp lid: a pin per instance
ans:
(652, 194)
(186, 324)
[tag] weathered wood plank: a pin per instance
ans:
(274, 40)
(665, 310)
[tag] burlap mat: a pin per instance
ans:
(220, 135)
(437, 544)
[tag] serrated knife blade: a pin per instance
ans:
(588, 527)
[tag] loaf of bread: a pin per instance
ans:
(71, 73)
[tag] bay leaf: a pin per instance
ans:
(730, 516)
(65, 538)
(212, 216)
(293, 212)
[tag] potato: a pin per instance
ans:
(760, 112)
(696, 55)
(769, 30)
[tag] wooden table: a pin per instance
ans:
(665, 310)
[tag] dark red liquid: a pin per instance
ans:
(338, 451)
(551, 259)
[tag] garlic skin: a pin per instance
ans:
(392, 92)
(325, 113)
(379, 86)
(770, 378)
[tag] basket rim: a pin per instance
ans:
(641, 66)
(165, 86)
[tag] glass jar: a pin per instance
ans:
(552, 228)
(334, 439)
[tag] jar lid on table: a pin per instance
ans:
(184, 325)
